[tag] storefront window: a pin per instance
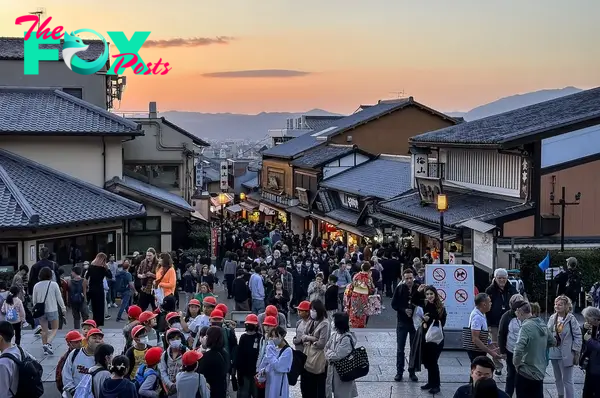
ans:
(141, 243)
(80, 248)
(9, 254)
(144, 233)
(254, 217)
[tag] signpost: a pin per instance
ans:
(455, 285)
(224, 176)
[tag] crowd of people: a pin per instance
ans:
(270, 273)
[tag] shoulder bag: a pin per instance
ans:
(316, 362)
(39, 309)
(353, 366)
(467, 339)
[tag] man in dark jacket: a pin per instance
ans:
(43, 263)
(391, 272)
(403, 302)
(500, 292)
(481, 368)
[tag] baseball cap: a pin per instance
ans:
(153, 355)
(136, 330)
(210, 300)
(94, 332)
(270, 321)
(271, 310)
(73, 336)
(251, 319)
(190, 357)
(303, 306)
(134, 311)
(89, 322)
(222, 307)
(217, 314)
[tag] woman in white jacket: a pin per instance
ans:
(339, 346)
(46, 291)
(566, 330)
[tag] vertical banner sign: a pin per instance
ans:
(455, 285)
(224, 176)
(213, 241)
(199, 175)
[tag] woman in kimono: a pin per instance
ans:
(361, 287)
(339, 346)
(276, 364)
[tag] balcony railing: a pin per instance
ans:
(434, 167)
(283, 200)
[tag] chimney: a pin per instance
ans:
(152, 113)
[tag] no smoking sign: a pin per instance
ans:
(439, 274)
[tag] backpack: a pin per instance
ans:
(298, 361)
(85, 388)
(121, 282)
(142, 374)
(11, 313)
(61, 363)
(76, 291)
(30, 376)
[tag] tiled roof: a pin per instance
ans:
(318, 123)
(251, 183)
(462, 206)
(35, 111)
(327, 200)
(322, 154)
(519, 123)
(307, 141)
(383, 178)
(195, 139)
(211, 174)
(33, 195)
(11, 48)
(151, 192)
(345, 216)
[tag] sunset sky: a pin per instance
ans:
(289, 55)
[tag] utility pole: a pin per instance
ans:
(563, 204)
(398, 94)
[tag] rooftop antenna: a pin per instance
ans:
(40, 12)
(399, 94)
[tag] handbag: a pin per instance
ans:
(39, 309)
(467, 339)
(353, 366)
(435, 334)
(315, 360)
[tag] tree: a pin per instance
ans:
(199, 236)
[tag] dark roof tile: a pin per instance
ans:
(519, 123)
(11, 48)
(36, 111)
(322, 154)
(33, 195)
(152, 192)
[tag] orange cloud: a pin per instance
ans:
(188, 42)
(258, 73)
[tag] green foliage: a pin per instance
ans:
(200, 238)
(7, 277)
(534, 279)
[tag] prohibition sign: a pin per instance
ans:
(460, 274)
(442, 294)
(461, 295)
(439, 274)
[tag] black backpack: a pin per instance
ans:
(298, 361)
(76, 291)
(30, 376)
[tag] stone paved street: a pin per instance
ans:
(380, 343)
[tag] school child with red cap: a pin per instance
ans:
(133, 313)
(74, 340)
(147, 379)
(190, 383)
(171, 360)
(139, 347)
(246, 358)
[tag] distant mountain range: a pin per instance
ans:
(220, 126)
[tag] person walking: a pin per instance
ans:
(477, 324)
(508, 333)
(48, 301)
(361, 287)
(146, 273)
(339, 346)
(530, 353)
(566, 330)
(257, 291)
(78, 297)
(229, 273)
(95, 275)
(404, 303)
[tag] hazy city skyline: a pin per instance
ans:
(282, 55)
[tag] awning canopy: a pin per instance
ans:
(326, 219)
(477, 225)
(414, 227)
(214, 201)
(234, 209)
(362, 230)
(297, 211)
(267, 210)
(248, 206)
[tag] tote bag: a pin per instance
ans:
(435, 334)
(353, 366)
(315, 360)
(467, 339)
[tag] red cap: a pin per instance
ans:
(223, 308)
(146, 316)
(271, 310)
(134, 311)
(303, 306)
(172, 315)
(217, 314)
(171, 331)
(73, 336)
(191, 357)
(93, 332)
(251, 319)
(89, 322)
(136, 330)
(210, 300)
(270, 321)
(153, 355)
(195, 302)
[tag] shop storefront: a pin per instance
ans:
(250, 211)
(300, 221)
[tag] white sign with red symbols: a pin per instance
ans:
(455, 284)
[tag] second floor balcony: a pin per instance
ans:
(283, 200)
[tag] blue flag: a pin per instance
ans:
(545, 263)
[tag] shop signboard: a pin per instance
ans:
(213, 241)
(352, 202)
(457, 281)
(224, 176)
(429, 189)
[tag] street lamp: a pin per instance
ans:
(442, 206)
(563, 204)
(242, 196)
(223, 199)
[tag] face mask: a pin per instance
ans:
(276, 341)
(203, 340)
(313, 314)
(144, 340)
(176, 325)
(175, 343)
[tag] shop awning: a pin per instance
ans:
(362, 230)
(234, 209)
(297, 211)
(326, 219)
(215, 200)
(477, 225)
(267, 210)
(248, 206)
(414, 227)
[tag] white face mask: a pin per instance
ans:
(203, 341)
(313, 314)
(144, 340)
(175, 343)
